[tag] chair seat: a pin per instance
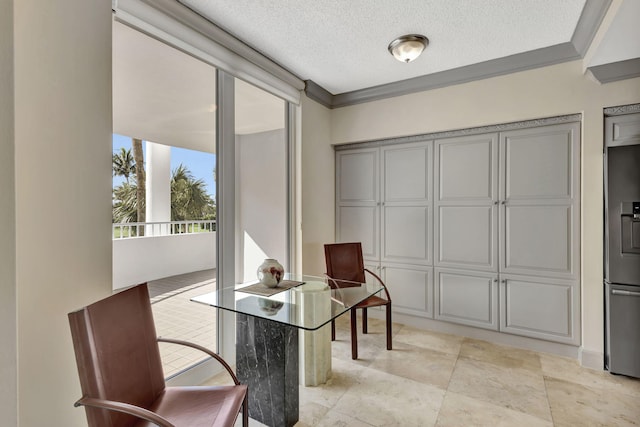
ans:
(199, 406)
(372, 301)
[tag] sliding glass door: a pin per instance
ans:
(170, 103)
(164, 198)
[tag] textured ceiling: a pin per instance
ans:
(342, 45)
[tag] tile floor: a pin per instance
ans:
(177, 317)
(428, 379)
(434, 379)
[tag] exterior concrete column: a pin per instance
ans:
(158, 194)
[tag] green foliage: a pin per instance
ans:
(123, 164)
(189, 199)
(125, 203)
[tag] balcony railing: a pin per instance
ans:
(126, 230)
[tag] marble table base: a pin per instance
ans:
(267, 361)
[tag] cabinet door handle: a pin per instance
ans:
(625, 293)
(496, 202)
(504, 202)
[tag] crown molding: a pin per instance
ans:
(503, 127)
(483, 70)
(615, 71)
(592, 15)
(318, 93)
(590, 20)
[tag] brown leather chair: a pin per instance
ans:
(121, 375)
(344, 263)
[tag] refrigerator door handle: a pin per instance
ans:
(625, 293)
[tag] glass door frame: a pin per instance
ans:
(226, 199)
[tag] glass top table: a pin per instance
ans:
(309, 304)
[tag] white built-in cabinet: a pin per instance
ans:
(480, 230)
(384, 200)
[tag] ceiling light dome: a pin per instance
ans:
(409, 47)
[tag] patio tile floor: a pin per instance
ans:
(177, 317)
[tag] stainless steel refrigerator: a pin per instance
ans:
(622, 259)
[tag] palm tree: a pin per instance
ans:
(125, 203)
(189, 199)
(140, 177)
(123, 164)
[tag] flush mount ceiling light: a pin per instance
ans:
(409, 47)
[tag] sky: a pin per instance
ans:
(200, 164)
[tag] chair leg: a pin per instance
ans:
(333, 330)
(354, 335)
(364, 320)
(389, 326)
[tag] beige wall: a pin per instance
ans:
(8, 354)
(549, 91)
(318, 182)
(63, 186)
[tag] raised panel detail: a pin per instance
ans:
(622, 130)
(410, 288)
(538, 239)
(407, 173)
(540, 309)
(358, 176)
(469, 298)
(465, 236)
(538, 163)
(466, 168)
(406, 234)
(359, 224)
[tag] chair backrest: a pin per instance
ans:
(344, 262)
(117, 354)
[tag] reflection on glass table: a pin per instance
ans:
(285, 306)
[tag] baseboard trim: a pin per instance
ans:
(591, 359)
(559, 349)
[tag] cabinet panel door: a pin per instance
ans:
(467, 297)
(465, 213)
(407, 173)
(539, 163)
(357, 176)
(538, 240)
(466, 168)
(540, 308)
(466, 237)
(406, 213)
(411, 289)
(406, 234)
(539, 211)
(359, 224)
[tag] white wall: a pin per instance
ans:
(63, 193)
(544, 92)
(262, 199)
(142, 259)
(8, 350)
